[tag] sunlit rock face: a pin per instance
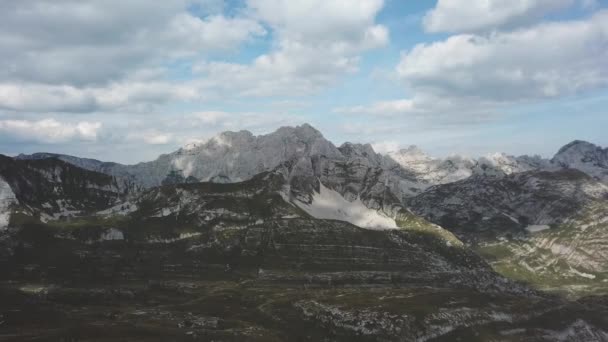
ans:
(7, 199)
(586, 157)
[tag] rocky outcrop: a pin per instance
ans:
(491, 207)
(51, 188)
(584, 156)
(7, 200)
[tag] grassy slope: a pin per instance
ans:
(571, 258)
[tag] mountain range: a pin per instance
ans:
(247, 221)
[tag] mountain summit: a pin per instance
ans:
(584, 156)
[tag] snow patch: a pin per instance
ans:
(537, 228)
(329, 204)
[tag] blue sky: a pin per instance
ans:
(127, 81)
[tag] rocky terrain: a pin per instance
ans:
(238, 262)
(286, 237)
(237, 156)
(549, 228)
(584, 156)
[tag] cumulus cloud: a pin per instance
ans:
(309, 54)
(335, 21)
(94, 42)
(481, 15)
(150, 137)
(214, 121)
(470, 78)
(74, 56)
(385, 108)
(49, 131)
(475, 79)
(544, 61)
(28, 97)
(384, 147)
(430, 111)
(211, 117)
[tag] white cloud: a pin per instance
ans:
(33, 97)
(49, 131)
(480, 15)
(211, 117)
(214, 121)
(383, 108)
(325, 21)
(544, 61)
(82, 43)
(384, 147)
(37, 97)
(469, 80)
(428, 111)
(73, 56)
(155, 138)
(215, 33)
(309, 54)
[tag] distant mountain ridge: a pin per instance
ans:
(237, 156)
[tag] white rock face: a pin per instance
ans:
(112, 234)
(236, 156)
(7, 199)
(537, 228)
(434, 171)
(586, 157)
(330, 205)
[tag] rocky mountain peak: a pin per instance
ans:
(578, 145)
(357, 150)
(304, 132)
(580, 151)
(584, 156)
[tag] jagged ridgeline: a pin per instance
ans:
(287, 237)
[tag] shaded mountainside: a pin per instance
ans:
(547, 228)
(241, 262)
(51, 188)
(494, 206)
